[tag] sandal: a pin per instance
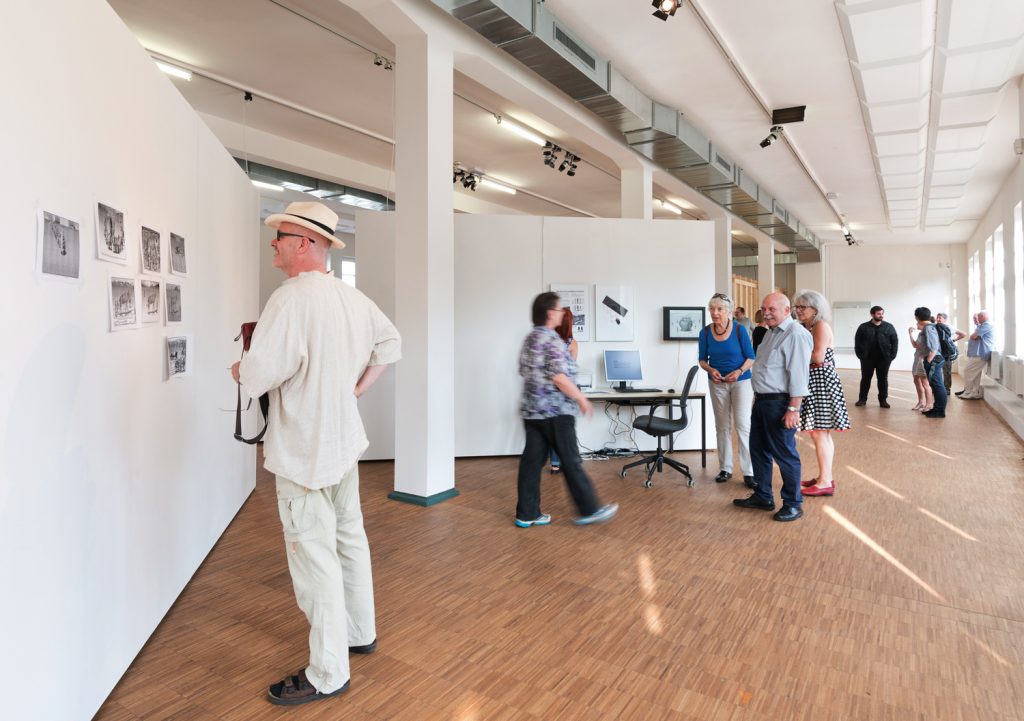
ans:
(294, 690)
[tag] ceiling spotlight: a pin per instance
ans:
(848, 237)
(774, 134)
(550, 154)
(664, 8)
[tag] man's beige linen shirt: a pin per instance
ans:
(314, 339)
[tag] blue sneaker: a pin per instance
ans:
(604, 513)
(541, 520)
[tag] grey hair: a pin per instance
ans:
(720, 300)
(816, 300)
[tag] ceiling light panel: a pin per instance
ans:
(901, 143)
(894, 117)
(951, 177)
(890, 33)
(901, 164)
(969, 138)
(903, 81)
(942, 204)
(975, 22)
(959, 160)
(970, 109)
(913, 205)
(892, 194)
(946, 191)
(903, 180)
(979, 70)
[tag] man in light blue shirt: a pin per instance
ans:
(979, 351)
(779, 378)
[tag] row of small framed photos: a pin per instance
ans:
(136, 302)
(60, 246)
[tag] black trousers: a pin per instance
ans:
(543, 435)
(874, 365)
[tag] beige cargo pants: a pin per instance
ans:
(329, 561)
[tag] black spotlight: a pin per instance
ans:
(664, 8)
(774, 134)
(550, 154)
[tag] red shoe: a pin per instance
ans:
(808, 484)
(815, 491)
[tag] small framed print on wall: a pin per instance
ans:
(682, 323)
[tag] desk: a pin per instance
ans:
(646, 399)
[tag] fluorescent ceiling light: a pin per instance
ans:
(495, 185)
(520, 131)
(267, 186)
(669, 207)
(175, 71)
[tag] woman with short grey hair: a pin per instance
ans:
(824, 408)
(725, 352)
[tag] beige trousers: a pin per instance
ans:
(329, 561)
(972, 377)
(733, 404)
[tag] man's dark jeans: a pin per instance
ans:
(543, 435)
(770, 440)
(874, 365)
(935, 380)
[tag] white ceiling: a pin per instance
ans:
(792, 52)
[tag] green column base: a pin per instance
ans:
(423, 500)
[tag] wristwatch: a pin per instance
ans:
(793, 409)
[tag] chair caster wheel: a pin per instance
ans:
(648, 484)
(622, 474)
(690, 483)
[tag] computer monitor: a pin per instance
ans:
(621, 366)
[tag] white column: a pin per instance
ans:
(637, 193)
(765, 266)
(424, 271)
(723, 254)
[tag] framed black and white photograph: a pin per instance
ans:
(151, 249)
(149, 300)
(172, 303)
(682, 323)
(577, 299)
(59, 247)
(179, 356)
(111, 243)
(615, 312)
(178, 257)
(124, 302)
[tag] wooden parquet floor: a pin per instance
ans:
(901, 598)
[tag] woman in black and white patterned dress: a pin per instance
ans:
(824, 409)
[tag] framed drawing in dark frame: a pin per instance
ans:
(679, 323)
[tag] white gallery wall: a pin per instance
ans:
(115, 481)
(501, 264)
(899, 278)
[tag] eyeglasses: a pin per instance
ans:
(722, 296)
(282, 234)
(801, 307)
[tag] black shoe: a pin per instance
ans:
(860, 403)
(959, 393)
(754, 501)
(368, 648)
(722, 477)
(749, 481)
(788, 513)
(933, 414)
(884, 404)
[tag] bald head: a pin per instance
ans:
(298, 249)
(775, 309)
(982, 316)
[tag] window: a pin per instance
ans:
(348, 272)
(974, 283)
(1018, 275)
(988, 275)
(997, 304)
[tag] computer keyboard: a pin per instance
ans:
(637, 390)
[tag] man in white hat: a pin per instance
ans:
(319, 345)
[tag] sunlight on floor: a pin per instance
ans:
(947, 524)
(874, 546)
(931, 450)
(884, 487)
(886, 433)
(652, 615)
(990, 651)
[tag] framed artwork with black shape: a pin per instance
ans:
(682, 323)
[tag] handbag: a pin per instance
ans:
(246, 336)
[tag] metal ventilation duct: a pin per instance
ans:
(528, 31)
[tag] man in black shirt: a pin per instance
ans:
(876, 344)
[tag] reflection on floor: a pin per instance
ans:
(901, 597)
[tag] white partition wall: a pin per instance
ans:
(501, 264)
(115, 481)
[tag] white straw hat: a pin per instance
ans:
(315, 216)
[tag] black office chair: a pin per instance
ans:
(660, 427)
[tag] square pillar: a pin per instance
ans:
(765, 266)
(723, 254)
(637, 187)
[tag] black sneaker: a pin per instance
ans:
(722, 477)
